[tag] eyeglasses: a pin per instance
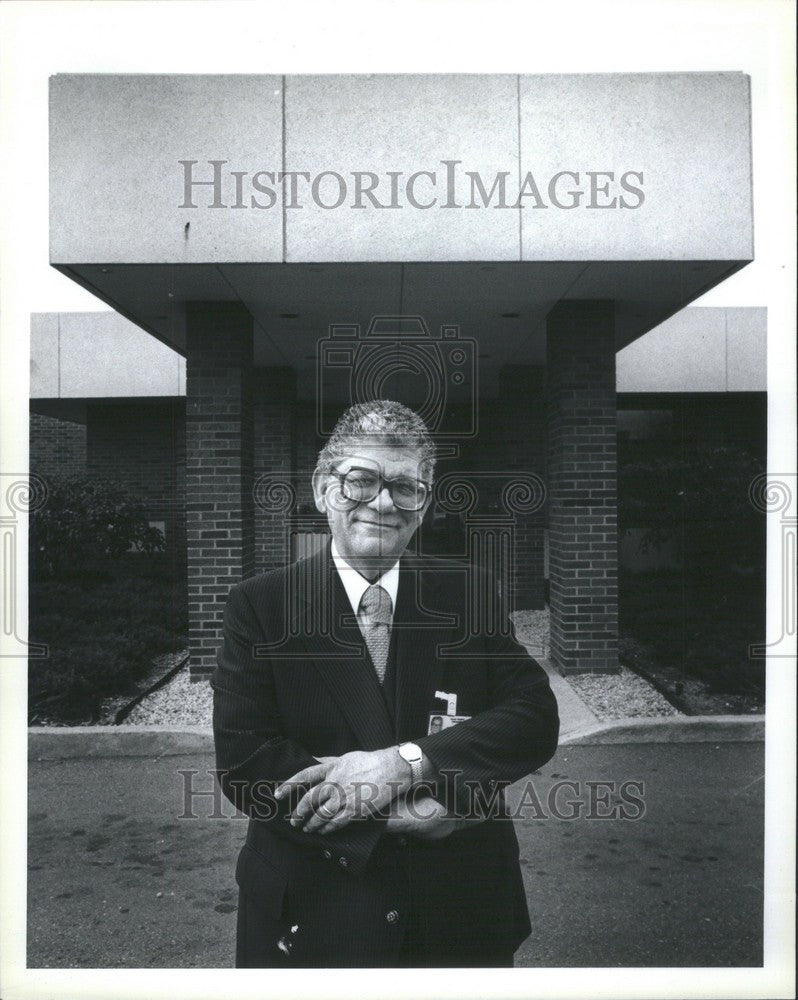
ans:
(363, 485)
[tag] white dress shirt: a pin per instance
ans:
(356, 585)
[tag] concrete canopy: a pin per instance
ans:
(640, 192)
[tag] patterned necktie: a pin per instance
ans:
(375, 615)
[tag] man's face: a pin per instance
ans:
(375, 530)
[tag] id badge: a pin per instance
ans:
(439, 722)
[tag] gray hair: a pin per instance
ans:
(380, 422)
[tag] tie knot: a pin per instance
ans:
(376, 604)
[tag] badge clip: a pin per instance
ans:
(450, 699)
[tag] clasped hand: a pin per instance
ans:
(358, 784)
(342, 788)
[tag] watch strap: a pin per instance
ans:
(412, 754)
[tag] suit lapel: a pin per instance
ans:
(418, 630)
(333, 640)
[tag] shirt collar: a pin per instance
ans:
(356, 585)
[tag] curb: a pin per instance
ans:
(671, 729)
(76, 742)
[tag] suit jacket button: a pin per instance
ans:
(343, 862)
(402, 841)
(326, 855)
(392, 916)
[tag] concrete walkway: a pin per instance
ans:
(575, 716)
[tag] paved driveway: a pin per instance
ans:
(116, 879)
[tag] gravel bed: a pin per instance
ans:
(608, 696)
(532, 630)
(180, 702)
(620, 696)
(161, 665)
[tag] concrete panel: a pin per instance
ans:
(746, 350)
(687, 353)
(687, 133)
(103, 354)
(407, 124)
(116, 183)
(44, 355)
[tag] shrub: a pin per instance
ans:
(102, 627)
(702, 631)
(702, 619)
(84, 519)
(699, 497)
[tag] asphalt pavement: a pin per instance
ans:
(665, 872)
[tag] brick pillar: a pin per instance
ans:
(276, 487)
(583, 540)
(219, 502)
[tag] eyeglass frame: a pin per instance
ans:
(382, 483)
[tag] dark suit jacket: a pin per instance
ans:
(295, 681)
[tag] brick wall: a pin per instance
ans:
(219, 469)
(583, 538)
(57, 447)
(308, 446)
(306, 520)
(141, 446)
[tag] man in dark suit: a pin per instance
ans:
(376, 838)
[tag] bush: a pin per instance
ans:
(699, 498)
(702, 630)
(103, 627)
(703, 618)
(84, 519)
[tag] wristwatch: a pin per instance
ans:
(411, 752)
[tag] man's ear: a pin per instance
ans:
(319, 482)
